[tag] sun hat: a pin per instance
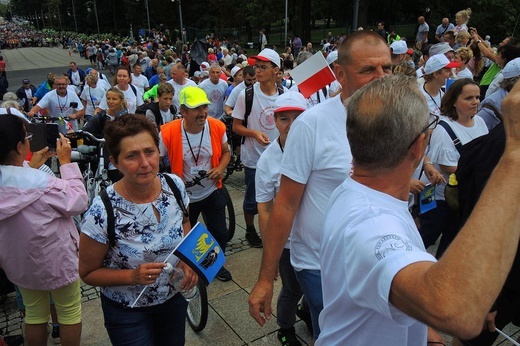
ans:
(440, 48)
(193, 97)
(438, 62)
(290, 101)
(268, 55)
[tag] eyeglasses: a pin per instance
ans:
(431, 126)
(262, 67)
(61, 84)
(29, 136)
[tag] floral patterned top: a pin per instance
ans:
(139, 239)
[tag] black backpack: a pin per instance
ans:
(154, 107)
(111, 220)
(249, 103)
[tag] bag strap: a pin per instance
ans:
(494, 110)
(453, 136)
(133, 89)
(111, 232)
(176, 193)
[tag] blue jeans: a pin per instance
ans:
(213, 208)
(290, 294)
(310, 283)
(250, 205)
(156, 325)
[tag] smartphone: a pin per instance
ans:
(53, 133)
(73, 105)
(43, 135)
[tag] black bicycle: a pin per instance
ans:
(230, 209)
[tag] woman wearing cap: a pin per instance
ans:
(148, 224)
(288, 107)
(436, 71)
(38, 238)
(459, 106)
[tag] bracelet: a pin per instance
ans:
(428, 163)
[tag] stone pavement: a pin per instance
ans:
(229, 322)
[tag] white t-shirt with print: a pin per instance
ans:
(442, 151)
(93, 97)
(58, 106)
(368, 237)
(260, 119)
(140, 82)
(317, 154)
(434, 102)
(132, 100)
(215, 94)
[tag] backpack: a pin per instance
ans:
(111, 219)
(154, 107)
(249, 104)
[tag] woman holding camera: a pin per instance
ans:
(38, 238)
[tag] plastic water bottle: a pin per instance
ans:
(177, 275)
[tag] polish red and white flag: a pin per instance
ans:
(312, 75)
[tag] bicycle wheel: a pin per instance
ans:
(197, 313)
(231, 165)
(230, 214)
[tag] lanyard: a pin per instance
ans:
(189, 144)
(280, 144)
(424, 88)
(59, 104)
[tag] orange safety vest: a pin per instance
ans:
(172, 137)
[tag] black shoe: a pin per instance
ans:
(305, 316)
(224, 275)
(252, 238)
(14, 340)
(288, 337)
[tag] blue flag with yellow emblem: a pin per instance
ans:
(201, 251)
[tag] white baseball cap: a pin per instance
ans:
(512, 69)
(290, 101)
(332, 57)
(204, 66)
(438, 62)
(235, 69)
(399, 47)
(268, 55)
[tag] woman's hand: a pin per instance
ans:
(416, 186)
(63, 149)
(147, 273)
(190, 277)
(39, 157)
(435, 177)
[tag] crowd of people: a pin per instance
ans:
(338, 181)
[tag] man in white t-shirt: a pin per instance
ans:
(215, 89)
(316, 160)
(91, 96)
(422, 32)
(101, 79)
(198, 143)
(259, 130)
(60, 103)
(179, 81)
(138, 79)
(380, 286)
(249, 79)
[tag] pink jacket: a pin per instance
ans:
(38, 238)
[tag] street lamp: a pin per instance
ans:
(147, 14)
(180, 21)
(89, 8)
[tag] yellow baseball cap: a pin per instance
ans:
(193, 97)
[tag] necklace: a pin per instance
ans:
(142, 212)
